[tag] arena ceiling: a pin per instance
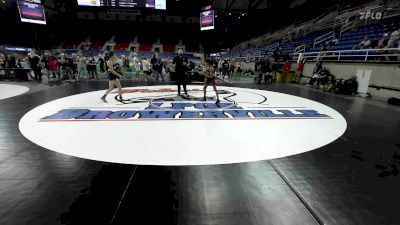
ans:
(237, 20)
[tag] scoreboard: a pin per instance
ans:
(153, 4)
(207, 20)
(31, 11)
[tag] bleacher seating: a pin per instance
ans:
(143, 47)
(123, 39)
(96, 45)
(122, 42)
(342, 23)
(70, 51)
(87, 53)
(121, 46)
(168, 48)
(346, 41)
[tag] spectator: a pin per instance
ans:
(154, 66)
(11, 62)
(82, 66)
(299, 70)
(145, 68)
(102, 65)
(330, 83)
(257, 65)
(91, 67)
(2, 61)
(225, 69)
(394, 42)
(347, 87)
(383, 44)
(317, 70)
(136, 64)
(220, 65)
(45, 63)
(286, 69)
(365, 43)
(265, 70)
(35, 65)
(231, 68)
(323, 77)
(69, 67)
(192, 66)
(53, 66)
(153, 60)
(75, 62)
(157, 67)
(239, 68)
(125, 62)
(19, 63)
(277, 54)
(160, 70)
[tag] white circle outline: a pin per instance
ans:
(218, 145)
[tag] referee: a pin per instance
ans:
(181, 66)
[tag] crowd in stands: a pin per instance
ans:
(387, 41)
(74, 67)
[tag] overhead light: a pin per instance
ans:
(242, 14)
(230, 13)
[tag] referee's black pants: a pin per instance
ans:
(181, 80)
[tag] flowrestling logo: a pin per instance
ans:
(370, 15)
(154, 126)
(164, 104)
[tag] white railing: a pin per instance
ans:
(287, 37)
(392, 10)
(349, 27)
(300, 49)
(340, 14)
(362, 55)
(351, 55)
(273, 46)
(324, 38)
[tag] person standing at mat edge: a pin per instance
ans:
(181, 66)
(210, 79)
(113, 77)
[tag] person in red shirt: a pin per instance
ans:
(299, 70)
(53, 66)
(286, 69)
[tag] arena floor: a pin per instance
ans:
(352, 180)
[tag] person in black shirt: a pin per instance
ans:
(102, 66)
(181, 66)
(91, 67)
(225, 69)
(319, 74)
(265, 70)
(346, 87)
(12, 62)
(45, 63)
(35, 65)
(192, 66)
